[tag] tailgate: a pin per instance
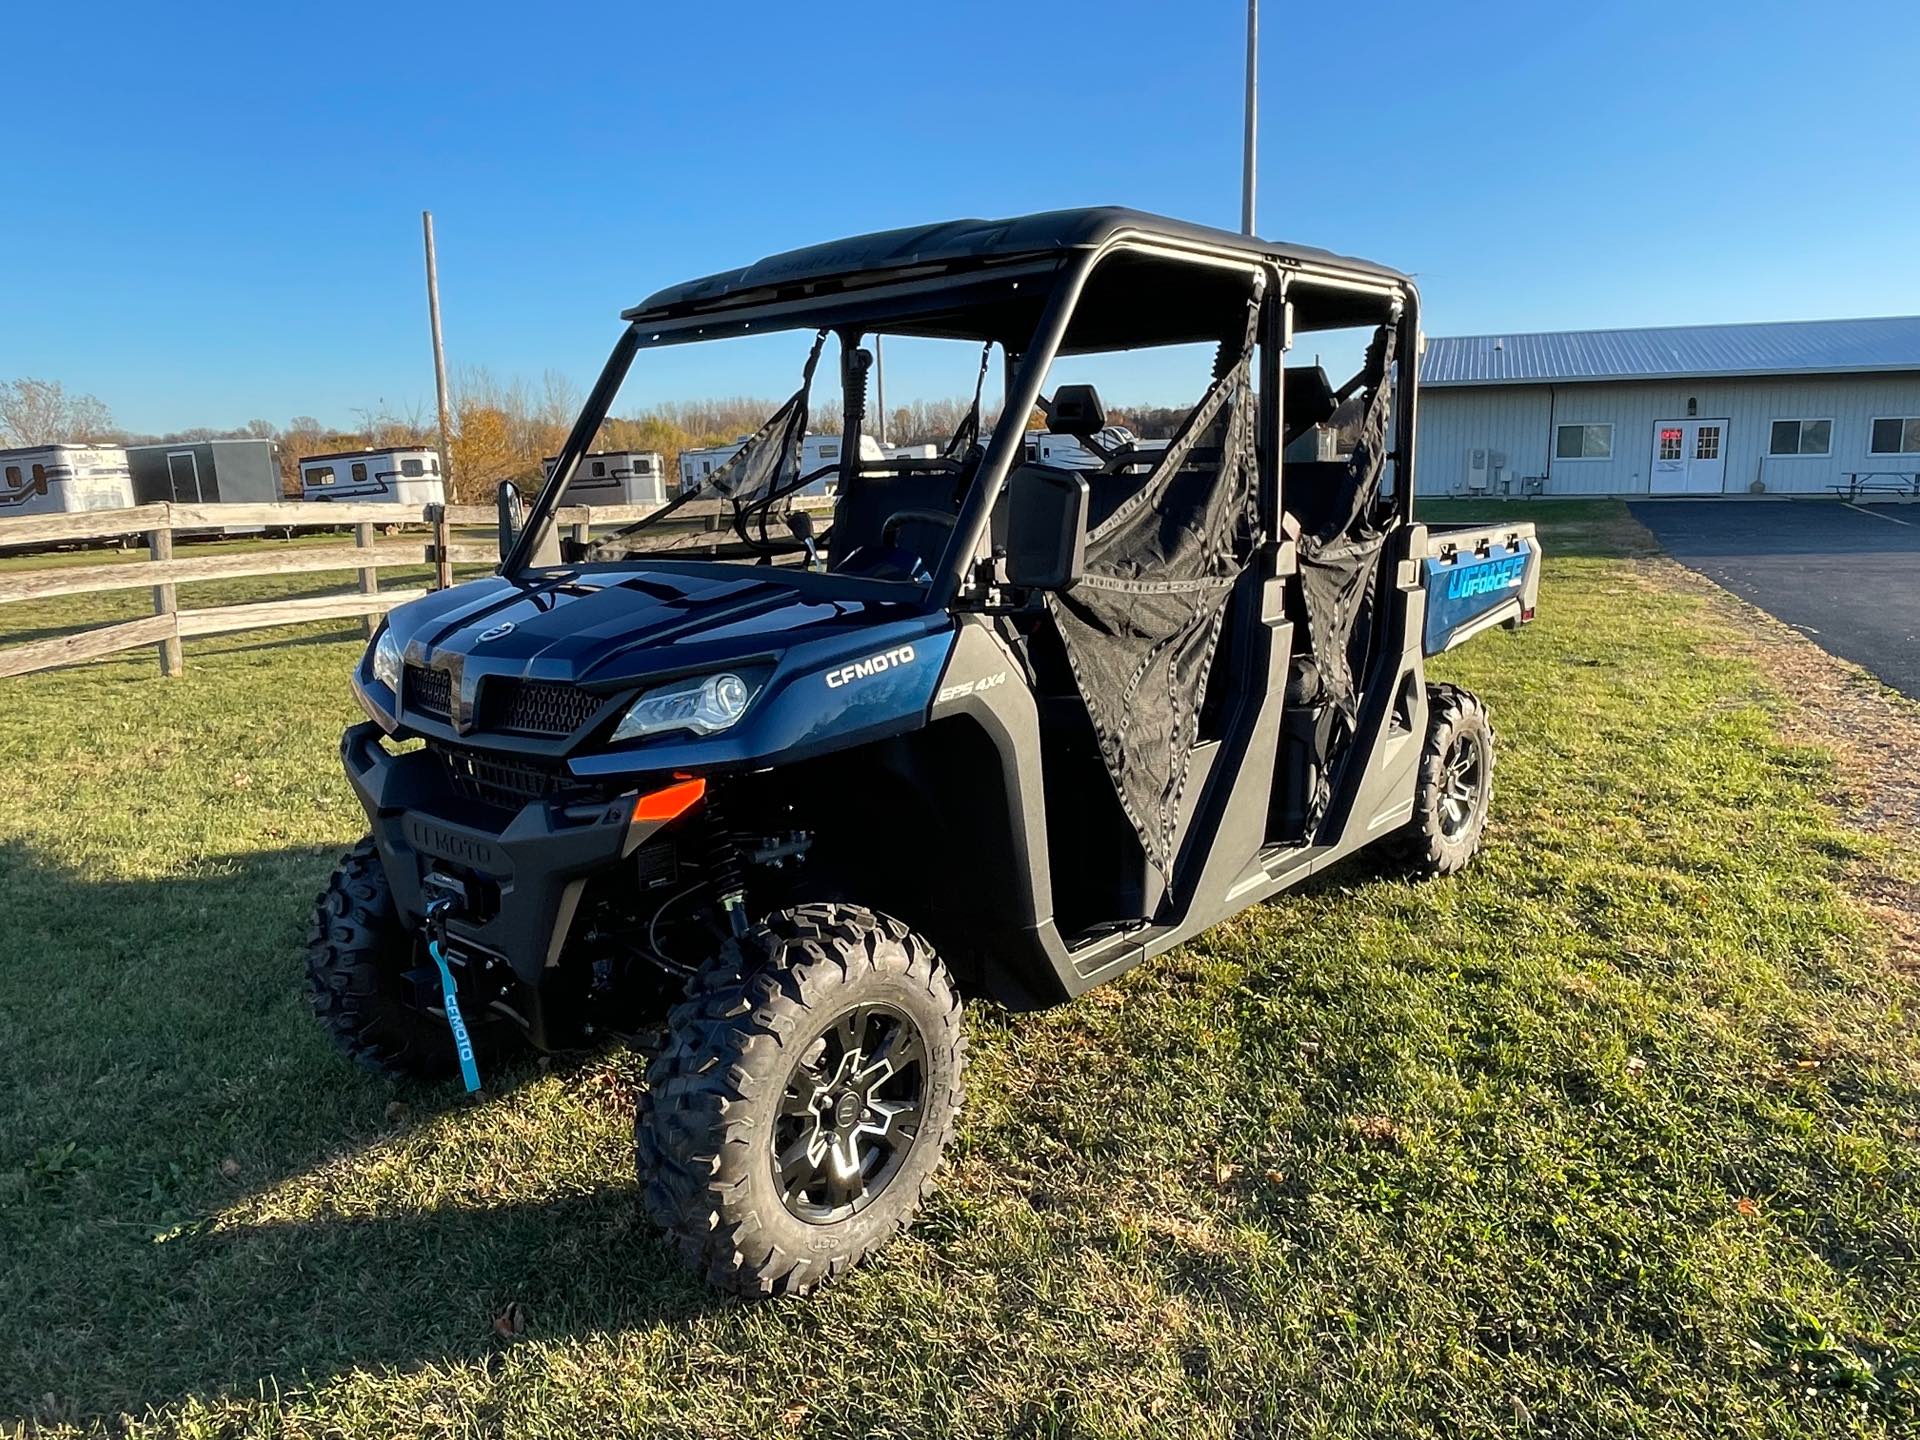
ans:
(1477, 576)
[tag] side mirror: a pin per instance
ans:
(1046, 527)
(509, 509)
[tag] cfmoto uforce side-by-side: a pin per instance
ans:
(781, 771)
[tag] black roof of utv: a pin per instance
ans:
(929, 248)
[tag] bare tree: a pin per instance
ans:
(41, 412)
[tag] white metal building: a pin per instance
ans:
(1805, 407)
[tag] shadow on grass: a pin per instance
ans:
(183, 1158)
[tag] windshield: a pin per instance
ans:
(825, 480)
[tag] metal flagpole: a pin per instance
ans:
(1253, 116)
(439, 350)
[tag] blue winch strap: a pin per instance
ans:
(469, 1070)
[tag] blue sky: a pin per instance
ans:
(214, 212)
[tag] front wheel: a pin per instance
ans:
(806, 1092)
(1455, 787)
(358, 953)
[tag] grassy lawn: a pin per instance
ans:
(1615, 1134)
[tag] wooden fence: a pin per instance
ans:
(446, 540)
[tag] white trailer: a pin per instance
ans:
(616, 477)
(64, 479)
(1067, 453)
(816, 453)
(408, 476)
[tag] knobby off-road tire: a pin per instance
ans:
(1455, 789)
(784, 1052)
(357, 954)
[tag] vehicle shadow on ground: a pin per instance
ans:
(163, 1094)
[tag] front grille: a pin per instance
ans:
(429, 692)
(500, 781)
(537, 707)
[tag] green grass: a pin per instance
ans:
(1615, 1134)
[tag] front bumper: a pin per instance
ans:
(526, 868)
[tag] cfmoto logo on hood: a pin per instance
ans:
(496, 632)
(869, 667)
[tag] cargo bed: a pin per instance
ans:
(1478, 576)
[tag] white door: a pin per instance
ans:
(1689, 457)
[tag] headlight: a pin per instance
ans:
(386, 661)
(706, 706)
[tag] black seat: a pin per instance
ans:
(1308, 399)
(862, 510)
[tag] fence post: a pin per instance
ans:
(442, 543)
(165, 598)
(363, 534)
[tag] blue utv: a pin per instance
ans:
(781, 771)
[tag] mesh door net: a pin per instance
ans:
(1141, 627)
(1342, 533)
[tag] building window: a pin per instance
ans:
(359, 470)
(1707, 445)
(1801, 437)
(412, 469)
(1670, 438)
(1583, 442)
(1896, 435)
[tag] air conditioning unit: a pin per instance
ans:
(1477, 471)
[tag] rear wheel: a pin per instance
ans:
(1455, 787)
(795, 1119)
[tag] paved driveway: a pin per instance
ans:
(1848, 576)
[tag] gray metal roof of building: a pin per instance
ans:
(1786, 347)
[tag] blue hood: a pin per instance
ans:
(617, 629)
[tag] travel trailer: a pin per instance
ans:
(408, 476)
(207, 472)
(617, 477)
(63, 479)
(1067, 453)
(817, 452)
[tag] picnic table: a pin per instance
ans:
(1877, 482)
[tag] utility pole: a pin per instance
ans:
(439, 351)
(1253, 116)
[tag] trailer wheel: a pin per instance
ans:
(807, 1089)
(1455, 788)
(358, 953)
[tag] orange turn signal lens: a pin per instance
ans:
(670, 803)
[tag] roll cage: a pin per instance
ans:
(1041, 286)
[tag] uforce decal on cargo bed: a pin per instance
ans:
(869, 667)
(1486, 577)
